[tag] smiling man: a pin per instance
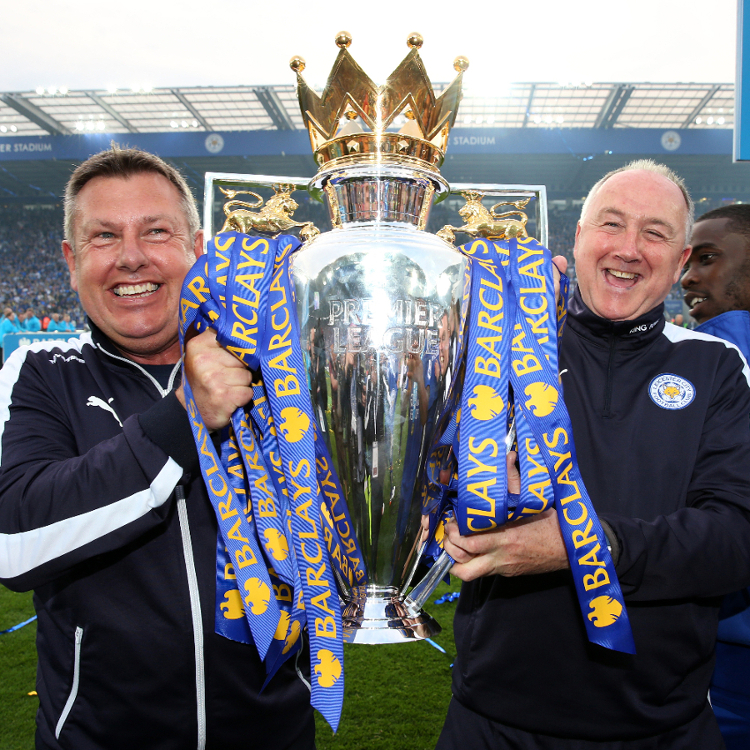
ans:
(717, 274)
(659, 418)
(103, 511)
(717, 290)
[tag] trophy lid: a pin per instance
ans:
(348, 124)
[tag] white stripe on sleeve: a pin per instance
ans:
(12, 369)
(678, 333)
(26, 550)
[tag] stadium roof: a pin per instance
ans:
(246, 108)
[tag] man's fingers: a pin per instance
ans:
(455, 545)
(472, 569)
(561, 263)
(219, 381)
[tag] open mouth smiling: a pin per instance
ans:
(135, 290)
(693, 299)
(622, 275)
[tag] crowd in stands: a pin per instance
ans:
(34, 273)
(35, 284)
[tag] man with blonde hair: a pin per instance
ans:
(103, 511)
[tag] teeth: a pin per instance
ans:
(129, 291)
(622, 274)
(696, 301)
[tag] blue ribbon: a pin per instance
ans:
(18, 627)
(514, 328)
(482, 480)
(280, 536)
(285, 377)
(539, 398)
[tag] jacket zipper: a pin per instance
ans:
(74, 687)
(610, 376)
(195, 609)
(162, 391)
(187, 548)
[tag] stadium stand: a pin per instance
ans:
(34, 273)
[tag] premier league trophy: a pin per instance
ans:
(379, 302)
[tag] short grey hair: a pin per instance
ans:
(124, 163)
(649, 165)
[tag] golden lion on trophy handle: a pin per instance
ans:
(487, 224)
(274, 218)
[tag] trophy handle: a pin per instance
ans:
(423, 590)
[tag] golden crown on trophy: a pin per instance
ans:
(349, 123)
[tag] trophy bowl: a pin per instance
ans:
(379, 304)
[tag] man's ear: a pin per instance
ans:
(575, 243)
(683, 259)
(198, 244)
(70, 259)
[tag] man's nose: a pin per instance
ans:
(630, 249)
(689, 278)
(132, 255)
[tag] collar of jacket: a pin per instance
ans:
(631, 333)
(102, 341)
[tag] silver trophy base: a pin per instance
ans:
(377, 614)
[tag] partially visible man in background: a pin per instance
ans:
(717, 290)
(10, 323)
(55, 323)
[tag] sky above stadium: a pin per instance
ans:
(83, 44)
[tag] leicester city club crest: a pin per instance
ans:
(671, 391)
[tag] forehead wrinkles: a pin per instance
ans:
(97, 202)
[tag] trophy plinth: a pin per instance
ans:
(378, 614)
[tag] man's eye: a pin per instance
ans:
(707, 257)
(104, 236)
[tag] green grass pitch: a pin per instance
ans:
(395, 697)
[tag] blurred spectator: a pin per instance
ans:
(31, 323)
(10, 323)
(55, 324)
